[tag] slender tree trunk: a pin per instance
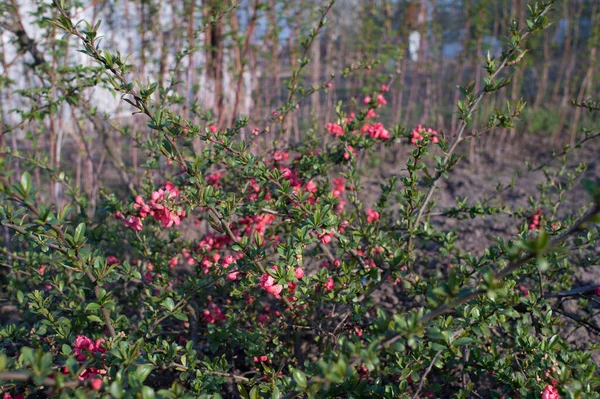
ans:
(565, 52)
(586, 83)
(461, 65)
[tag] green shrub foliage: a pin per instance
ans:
(239, 266)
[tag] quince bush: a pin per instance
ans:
(276, 296)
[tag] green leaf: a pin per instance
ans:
(143, 372)
(169, 304)
(92, 307)
(148, 393)
(116, 390)
(300, 378)
(463, 341)
(66, 349)
(181, 316)
(254, 393)
(26, 182)
(79, 235)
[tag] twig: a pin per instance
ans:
(422, 381)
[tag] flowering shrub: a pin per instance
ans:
(235, 270)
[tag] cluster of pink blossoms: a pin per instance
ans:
(419, 133)
(339, 186)
(84, 347)
(214, 179)
(215, 247)
(380, 100)
(213, 314)
(7, 395)
(376, 131)
(534, 220)
(261, 359)
(267, 282)
(550, 393)
(372, 215)
(156, 207)
(325, 237)
(335, 129)
(350, 152)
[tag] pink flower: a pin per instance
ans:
(148, 277)
(228, 260)
(350, 151)
(334, 129)
(280, 156)
(83, 343)
(213, 128)
(419, 133)
(299, 272)
(343, 225)
(325, 237)
(329, 85)
(339, 208)
(91, 373)
(232, 276)
(96, 384)
(112, 260)
(267, 282)
(214, 179)
(170, 187)
(377, 131)
(329, 284)
(213, 314)
(42, 269)
(366, 100)
(119, 215)
(370, 114)
(523, 290)
(134, 223)
(286, 173)
(372, 215)
(173, 262)
(99, 345)
(261, 359)
(550, 393)
(350, 117)
(381, 100)
(384, 88)
(311, 186)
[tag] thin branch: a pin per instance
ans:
(422, 381)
